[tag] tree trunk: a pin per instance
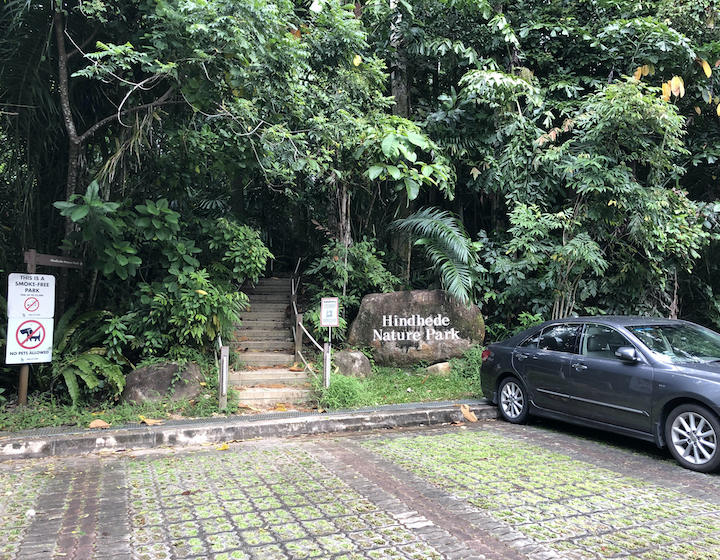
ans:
(74, 144)
(343, 205)
(399, 64)
(674, 308)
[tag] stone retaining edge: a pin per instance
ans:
(194, 434)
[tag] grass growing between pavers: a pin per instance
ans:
(264, 503)
(18, 496)
(565, 504)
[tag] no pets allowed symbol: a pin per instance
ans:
(29, 341)
(30, 335)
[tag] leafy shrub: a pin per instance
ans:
(240, 250)
(184, 310)
(77, 358)
(344, 392)
(330, 275)
(468, 367)
(500, 331)
(527, 320)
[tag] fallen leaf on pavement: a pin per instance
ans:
(467, 413)
(223, 447)
(296, 367)
(149, 421)
(97, 423)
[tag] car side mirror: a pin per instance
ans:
(627, 354)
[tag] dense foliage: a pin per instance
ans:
(538, 158)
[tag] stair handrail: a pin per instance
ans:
(298, 328)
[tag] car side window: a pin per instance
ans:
(531, 342)
(600, 341)
(560, 338)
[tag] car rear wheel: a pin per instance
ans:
(513, 402)
(691, 433)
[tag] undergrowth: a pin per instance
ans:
(391, 385)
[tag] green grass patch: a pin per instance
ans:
(387, 385)
(43, 411)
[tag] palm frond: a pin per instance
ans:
(447, 247)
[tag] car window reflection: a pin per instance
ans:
(599, 341)
(680, 343)
(560, 338)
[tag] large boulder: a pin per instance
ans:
(157, 381)
(416, 326)
(355, 364)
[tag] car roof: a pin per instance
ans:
(620, 320)
(611, 320)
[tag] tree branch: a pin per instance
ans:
(162, 100)
(79, 48)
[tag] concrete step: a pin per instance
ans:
(267, 307)
(251, 324)
(272, 291)
(279, 297)
(255, 344)
(266, 359)
(268, 396)
(263, 316)
(274, 283)
(245, 334)
(268, 376)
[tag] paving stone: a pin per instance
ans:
(489, 491)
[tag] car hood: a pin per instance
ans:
(706, 370)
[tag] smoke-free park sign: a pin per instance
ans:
(31, 295)
(31, 307)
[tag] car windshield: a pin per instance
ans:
(680, 343)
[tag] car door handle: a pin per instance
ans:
(579, 367)
(520, 356)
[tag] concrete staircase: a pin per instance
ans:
(264, 343)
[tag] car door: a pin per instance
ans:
(604, 387)
(544, 363)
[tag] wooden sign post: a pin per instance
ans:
(39, 327)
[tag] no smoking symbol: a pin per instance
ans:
(32, 304)
(30, 335)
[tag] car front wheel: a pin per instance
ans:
(513, 402)
(691, 433)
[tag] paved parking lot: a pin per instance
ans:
(486, 490)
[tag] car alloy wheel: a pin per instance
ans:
(513, 402)
(692, 436)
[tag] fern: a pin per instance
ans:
(447, 246)
(76, 360)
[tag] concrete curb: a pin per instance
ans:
(198, 432)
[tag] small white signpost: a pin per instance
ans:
(329, 317)
(31, 295)
(31, 308)
(330, 312)
(29, 341)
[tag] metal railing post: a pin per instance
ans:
(223, 377)
(326, 365)
(298, 336)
